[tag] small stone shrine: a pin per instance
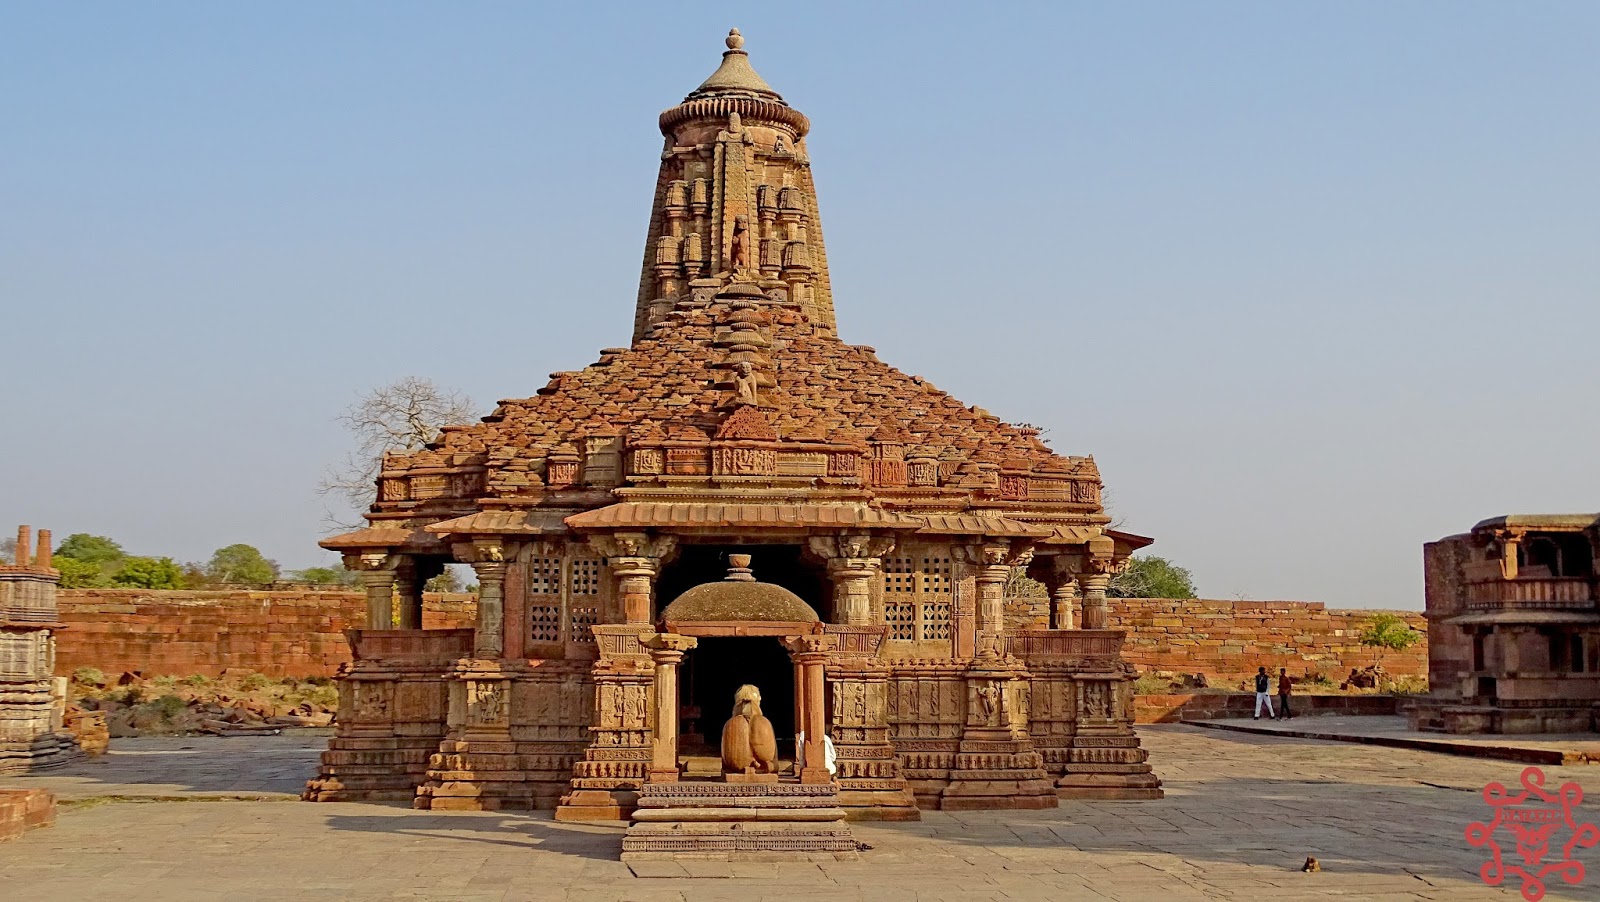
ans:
(1513, 612)
(33, 700)
(882, 516)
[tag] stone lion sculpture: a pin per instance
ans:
(748, 742)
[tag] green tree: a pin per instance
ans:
(76, 574)
(447, 581)
(1388, 632)
(241, 565)
(148, 573)
(81, 546)
(1149, 576)
(325, 576)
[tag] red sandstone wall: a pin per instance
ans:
(1229, 639)
(279, 633)
(300, 633)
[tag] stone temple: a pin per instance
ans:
(1513, 611)
(880, 519)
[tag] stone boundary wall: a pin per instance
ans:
(1215, 706)
(279, 632)
(1227, 640)
(300, 632)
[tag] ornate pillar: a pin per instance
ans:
(408, 589)
(635, 559)
(488, 559)
(1062, 598)
(666, 650)
(377, 578)
(811, 653)
(992, 576)
(854, 565)
(1095, 614)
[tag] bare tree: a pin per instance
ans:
(401, 416)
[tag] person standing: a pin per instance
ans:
(1263, 697)
(1284, 685)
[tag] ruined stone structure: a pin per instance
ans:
(33, 700)
(1513, 612)
(737, 423)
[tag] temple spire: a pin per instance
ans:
(734, 203)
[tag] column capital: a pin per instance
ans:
(851, 550)
(489, 569)
(372, 560)
(637, 549)
(814, 646)
(661, 644)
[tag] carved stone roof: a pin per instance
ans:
(735, 75)
(736, 403)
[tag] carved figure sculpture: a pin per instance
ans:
(744, 383)
(748, 742)
(739, 254)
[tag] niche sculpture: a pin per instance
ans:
(749, 747)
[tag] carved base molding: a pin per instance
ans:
(739, 821)
(485, 775)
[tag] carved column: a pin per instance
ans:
(666, 650)
(992, 599)
(855, 563)
(1095, 614)
(408, 589)
(635, 559)
(811, 653)
(488, 559)
(1062, 599)
(377, 578)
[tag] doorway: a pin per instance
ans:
(714, 669)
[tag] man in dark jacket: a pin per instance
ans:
(1263, 694)
(1284, 685)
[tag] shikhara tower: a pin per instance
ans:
(737, 421)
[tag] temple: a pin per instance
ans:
(1513, 612)
(871, 523)
(33, 700)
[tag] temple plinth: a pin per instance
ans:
(603, 512)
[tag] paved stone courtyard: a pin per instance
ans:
(1242, 813)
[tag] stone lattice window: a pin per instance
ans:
(917, 594)
(899, 598)
(584, 607)
(563, 598)
(544, 599)
(934, 595)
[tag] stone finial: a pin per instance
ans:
(735, 40)
(41, 558)
(24, 540)
(739, 569)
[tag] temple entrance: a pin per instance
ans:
(781, 565)
(714, 670)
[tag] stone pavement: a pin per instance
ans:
(1395, 732)
(1242, 813)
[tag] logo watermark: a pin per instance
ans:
(1533, 819)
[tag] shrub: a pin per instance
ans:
(198, 679)
(169, 706)
(88, 676)
(255, 681)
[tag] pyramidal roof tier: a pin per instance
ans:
(736, 404)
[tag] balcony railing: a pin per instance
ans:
(1559, 592)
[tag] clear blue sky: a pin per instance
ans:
(1315, 283)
